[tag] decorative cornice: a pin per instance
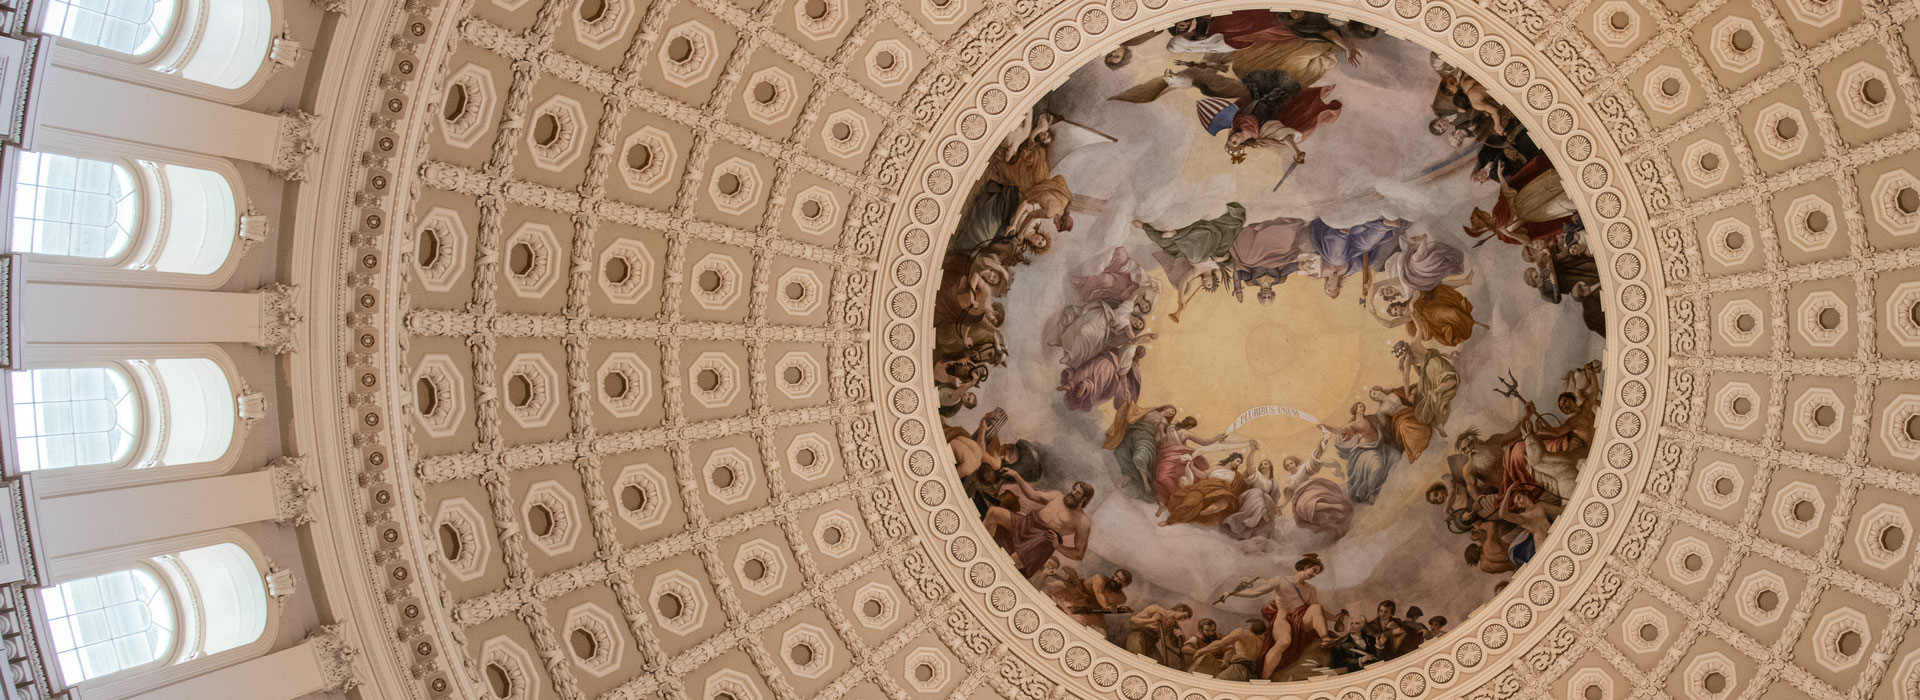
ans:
(285, 52)
(11, 283)
(279, 316)
(338, 659)
(294, 145)
(292, 487)
(26, 670)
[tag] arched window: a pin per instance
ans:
(138, 414)
(134, 214)
(75, 207)
(109, 623)
(231, 45)
(74, 417)
(229, 597)
(164, 610)
(132, 27)
(221, 43)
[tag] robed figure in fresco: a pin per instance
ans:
(1178, 459)
(1101, 342)
(1397, 405)
(1102, 338)
(1432, 382)
(1202, 242)
(1194, 252)
(1362, 443)
(1135, 442)
(1259, 499)
(1046, 524)
(1208, 496)
(1268, 252)
(1346, 251)
(1317, 503)
(1280, 59)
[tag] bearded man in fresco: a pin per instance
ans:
(1238, 654)
(1088, 600)
(1049, 523)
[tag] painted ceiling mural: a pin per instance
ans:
(1269, 345)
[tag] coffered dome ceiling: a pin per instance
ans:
(637, 345)
(1253, 371)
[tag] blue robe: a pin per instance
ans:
(1522, 549)
(1348, 249)
(1367, 465)
(987, 216)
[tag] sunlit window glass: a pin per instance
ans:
(106, 623)
(72, 206)
(128, 26)
(73, 417)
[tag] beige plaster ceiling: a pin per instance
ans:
(650, 416)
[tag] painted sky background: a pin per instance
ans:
(1305, 351)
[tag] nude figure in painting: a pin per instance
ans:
(980, 448)
(1305, 620)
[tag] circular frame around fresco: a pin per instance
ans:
(1523, 621)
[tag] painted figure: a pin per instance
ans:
(1259, 502)
(1048, 523)
(1361, 443)
(1135, 442)
(1317, 503)
(1305, 620)
(1028, 292)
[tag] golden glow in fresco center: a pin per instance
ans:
(1268, 346)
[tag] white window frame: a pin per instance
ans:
(150, 443)
(131, 682)
(137, 228)
(43, 17)
(146, 163)
(162, 67)
(165, 656)
(140, 385)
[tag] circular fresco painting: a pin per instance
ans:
(1269, 345)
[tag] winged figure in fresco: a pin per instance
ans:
(1123, 54)
(1258, 75)
(1206, 78)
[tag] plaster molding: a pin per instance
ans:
(294, 145)
(1014, 642)
(280, 315)
(292, 487)
(339, 659)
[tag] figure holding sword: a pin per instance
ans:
(1272, 135)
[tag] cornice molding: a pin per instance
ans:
(1501, 651)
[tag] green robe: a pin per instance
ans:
(1435, 384)
(1201, 240)
(1137, 454)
